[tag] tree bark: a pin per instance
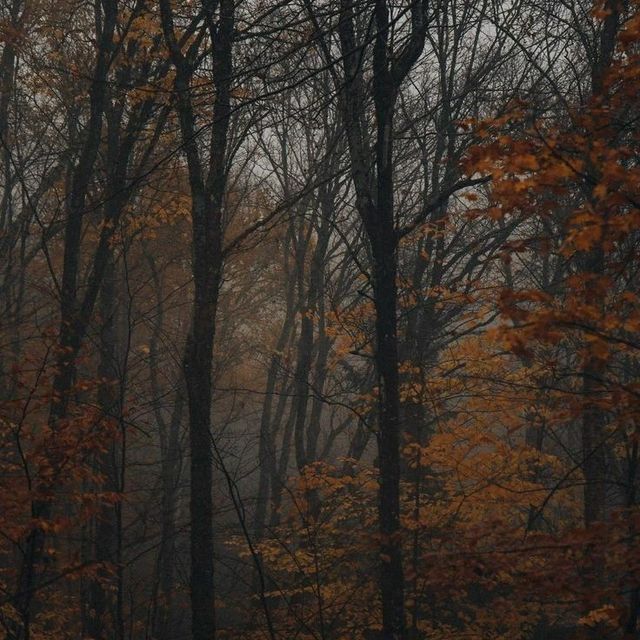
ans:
(207, 188)
(375, 204)
(100, 619)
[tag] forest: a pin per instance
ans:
(320, 319)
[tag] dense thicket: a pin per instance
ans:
(320, 319)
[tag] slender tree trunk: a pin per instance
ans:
(207, 182)
(163, 619)
(100, 618)
(279, 478)
(162, 614)
(594, 451)
(301, 387)
(266, 445)
(7, 69)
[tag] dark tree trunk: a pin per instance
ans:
(386, 356)
(266, 445)
(163, 620)
(162, 613)
(101, 621)
(207, 182)
(375, 204)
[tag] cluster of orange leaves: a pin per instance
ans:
(53, 465)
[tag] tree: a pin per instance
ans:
(590, 167)
(207, 181)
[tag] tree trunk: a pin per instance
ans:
(207, 182)
(386, 356)
(100, 619)
(266, 445)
